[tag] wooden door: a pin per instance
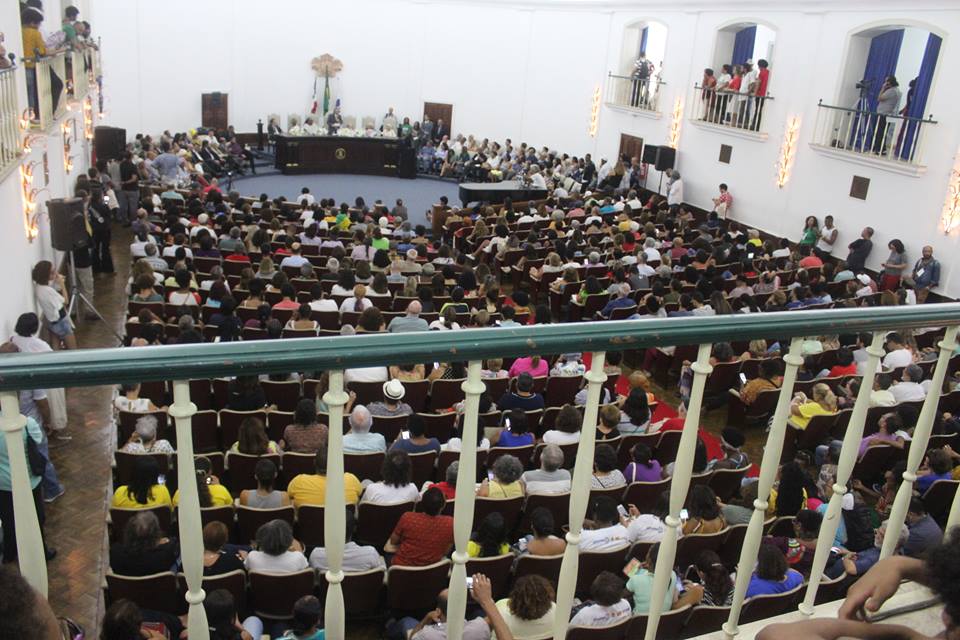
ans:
(630, 146)
(440, 111)
(214, 110)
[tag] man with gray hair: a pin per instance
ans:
(857, 564)
(232, 242)
(359, 439)
(409, 322)
(622, 301)
(153, 259)
(144, 438)
(549, 478)
(909, 389)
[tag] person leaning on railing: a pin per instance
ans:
(940, 571)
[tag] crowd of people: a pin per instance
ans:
(214, 266)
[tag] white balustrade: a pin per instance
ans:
(579, 493)
(334, 512)
(768, 474)
(9, 119)
(78, 74)
(728, 108)
(473, 388)
(893, 137)
(918, 445)
(634, 93)
(33, 563)
(188, 514)
(679, 485)
(848, 458)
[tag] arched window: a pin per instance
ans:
(736, 84)
(636, 81)
(881, 103)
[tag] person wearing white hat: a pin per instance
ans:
(392, 403)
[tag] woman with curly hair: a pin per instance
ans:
(530, 609)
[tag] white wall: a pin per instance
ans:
(808, 66)
(19, 254)
(911, 56)
(763, 45)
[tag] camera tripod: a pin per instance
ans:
(77, 296)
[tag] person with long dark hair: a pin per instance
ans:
(490, 538)
(222, 618)
(209, 489)
(789, 496)
(717, 585)
(772, 574)
(306, 621)
(396, 485)
(704, 511)
(635, 412)
(144, 549)
(145, 490)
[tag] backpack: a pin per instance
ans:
(859, 528)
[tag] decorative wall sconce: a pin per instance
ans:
(25, 118)
(29, 196)
(950, 217)
(788, 150)
(88, 118)
(673, 137)
(66, 128)
(30, 140)
(595, 112)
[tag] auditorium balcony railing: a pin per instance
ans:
(79, 73)
(9, 120)
(335, 354)
(734, 112)
(634, 94)
(46, 85)
(893, 142)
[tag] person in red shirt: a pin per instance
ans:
(845, 364)
(763, 80)
(449, 486)
(422, 537)
(809, 260)
(289, 298)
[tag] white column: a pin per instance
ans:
(334, 513)
(473, 388)
(579, 494)
(33, 563)
(188, 514)
(768, 474)
(918, 447)
(848, 458)
(682, 470)
(953, 519)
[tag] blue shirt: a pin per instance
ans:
(364, 442)
(924, 533)
(924, 482)
(408, 446)
(866, 559)
(840, 537)
(759, 586)
(34, 431)
(508, 439)
(617, 303)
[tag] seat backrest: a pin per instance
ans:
(362, 592)
(233, 581)
(445, 393)
(617, 631)
(120, 517)
(770, 605)
(441, 426)
(726, 482)
(375, 522)
(241, 470)
(732, 544)
(126, 463)
(497, 569)
(250, 519)
(509, 508)
(413, 589)
(389, 426)
(422, 466)
(366, 466)
(705, 619)
(690, 546)
(309, 529)
(593, 563)
(671, 622)
(644, 495)
(157, 591)
(293, 464)
(230, 424)
(558, 504)
(274, 594)
(939, 498)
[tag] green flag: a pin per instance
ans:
(326, 95)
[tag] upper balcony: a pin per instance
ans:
(891, 142)
(634, 95)
(736, 113)
(9, 120)
(46, 86)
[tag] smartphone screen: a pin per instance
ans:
(743, 378)
(405, 435)
(469, 582)
(490, 475)
(622, 510)
(161, 479)
(684, 514)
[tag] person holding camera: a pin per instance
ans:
(888, 103)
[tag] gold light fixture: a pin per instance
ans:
(788, 150)
(673, 138)
(88, 118)
(595, 112)
(67, 127)
(950, 217)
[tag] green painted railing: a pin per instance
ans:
(88, 367)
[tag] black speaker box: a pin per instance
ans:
(109, 142)
(407, 164)
(666, 156)
(67, 229)
(649, 154)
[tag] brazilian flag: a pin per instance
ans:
(326, 95)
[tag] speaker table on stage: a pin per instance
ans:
(68, 230)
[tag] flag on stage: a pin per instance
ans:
(313, 107)
(326, 94)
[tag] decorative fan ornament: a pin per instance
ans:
(326, 66)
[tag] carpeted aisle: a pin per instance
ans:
(418, 194)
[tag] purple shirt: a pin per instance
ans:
(875, 439)
(643, 473)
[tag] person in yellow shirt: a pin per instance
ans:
(802, 409)
(311, 488)
(490, 539)
(211, 492)
(505, 482)
(144, 492)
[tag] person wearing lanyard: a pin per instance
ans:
(926, 274)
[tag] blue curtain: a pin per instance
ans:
(881, 62)
(917, 97)
(743, 45)
(643, 39)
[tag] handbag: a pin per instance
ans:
(35, 458)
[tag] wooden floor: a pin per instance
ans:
(76, 522)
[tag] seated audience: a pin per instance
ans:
(542, 542)
(311, 488)
(304, 434)
(144, 438)
(209, 489)
(704, 511)
(515, 433)
(144, 549)
(490, 538)
(252, 439)
(530, 609)
(607, 532)
(392, 403)
(215, 559)
(416, 440)
(422, 537)
(772, 574)
(566, 428)
(605, 472)
(524, 398)
(264, 496)
(505, 480)
(606, 605)
(356, 558)
(640, 584)
(858, 563)
(360, 439)
(276, 551)
(550, 477)
(396, 485)
(145, 490)
(222, 619)
(644, 467)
